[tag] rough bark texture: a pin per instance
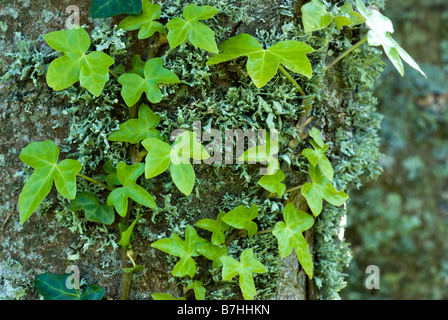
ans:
(30, 111)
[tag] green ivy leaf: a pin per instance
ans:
(380, 35)
(127, 234)
(348, 17)
(135, 130)
(262, 153)
(217, 227)
(110, 8)
(213, 252)
(315, 16)
(316, 156)
(186, 250)
(273, 184)
(91, 70)
(198, 288)
(144, 21)
(262, 65)
(95, 212)
(244, 269)
(321, 189)
(289, 236)
(134, 85)
(165, 296)
(43, 157)
(127, 176)
(241, 218)
(197, 33)
(137, 268)
(161, 156)
(53, 286)
(111, 177)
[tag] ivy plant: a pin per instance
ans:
(190, 28)
(91, 70)
(54, 287)
(262, 64)
(94, 211)
(43, 157)
(145, 21)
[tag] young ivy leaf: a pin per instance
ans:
(321, 189)
(133, 85)
(197, 33)
(127, 234)
(110, 8)
(213, 252)
(316, 156)
(241, 218)
(198, 288)
(265, 151)
(315, 16)
(165, 296)
(43, 157)
(127, 175)
(136, 130)
(95, 212)
(247, 265)
(380, 35)
(217, 227)
(111, 177)
(262, 65)
(185, 249)
(161, 156)
(289, 236)
(91, 70)
(144, 21)
(53, 286)
(273, 184)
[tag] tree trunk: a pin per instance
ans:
(220, 97)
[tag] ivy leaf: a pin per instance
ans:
(43, 157)
(138, 66)
(321, 189)
(135, 130)
(161, 156)
(273, 184)
(217, 227)
(127, 175)
(265, 151)
(380, 35)
(53, 286)
(316, 156)
(144, 21)
(110, 8)
(127, 234)
(95, 212)
(348, 17)
(213, 252)
(198, 288)
(134, 85)
(315, 16)
(137, 268)
(262, 65)
(111, 177)
(241, 218)
(165, 296)
(186, 250)
(91, 70)
(289, 236)
(197, 33)
(244, 269)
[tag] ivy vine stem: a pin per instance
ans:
(113, 73)
(294, 82)
(294, 189)
(344, 54)
(105, 186)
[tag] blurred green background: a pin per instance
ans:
(400, 221)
